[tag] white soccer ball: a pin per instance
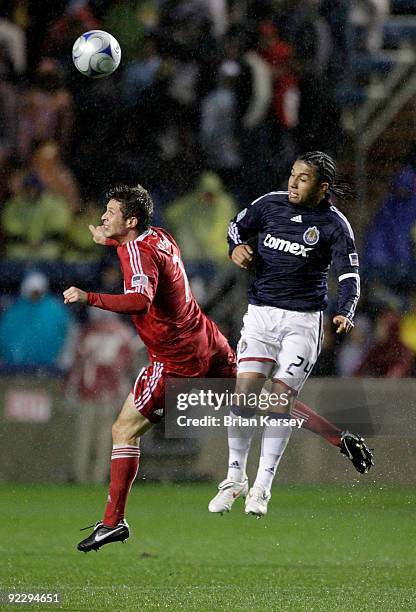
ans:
(96, 54)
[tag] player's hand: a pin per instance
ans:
(98, 234)
(342, 324)
(242, 256)
(73, 295)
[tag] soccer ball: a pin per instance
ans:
(96, 54)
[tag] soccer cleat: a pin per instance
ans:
(356, 450)
(104, 535)
(257, 500)
(228, 491)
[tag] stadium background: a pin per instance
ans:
(212, 102)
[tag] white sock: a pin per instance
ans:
(239, 440)
(273, 445)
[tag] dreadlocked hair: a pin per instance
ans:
(327, 173)
(134, 202)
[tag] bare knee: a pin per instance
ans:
(123, 433)
(128, 430)
(248, 383)
(283, 398)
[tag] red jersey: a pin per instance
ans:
(174, 330)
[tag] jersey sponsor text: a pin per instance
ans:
(285, 245)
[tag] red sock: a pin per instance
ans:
(316, 423)
(124, 468)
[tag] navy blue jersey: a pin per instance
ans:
(295, 248)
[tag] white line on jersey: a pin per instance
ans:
(344, 218)
(270, 193)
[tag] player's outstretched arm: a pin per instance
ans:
(242, 256)
(130, 303)
(342, 324)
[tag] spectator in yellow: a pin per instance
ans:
(34, 222)
(199, 221)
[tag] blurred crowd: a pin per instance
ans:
(212, 102)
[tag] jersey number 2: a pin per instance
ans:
(297, 364)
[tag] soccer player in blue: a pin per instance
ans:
(300, 234)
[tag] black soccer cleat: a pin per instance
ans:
(356, 450)
(104, 535)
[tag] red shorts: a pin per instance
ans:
(149, 388)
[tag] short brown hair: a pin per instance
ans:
(135, 202)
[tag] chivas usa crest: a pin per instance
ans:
(311, 236)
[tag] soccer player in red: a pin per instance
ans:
(181, 340)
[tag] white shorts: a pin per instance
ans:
(281, 344)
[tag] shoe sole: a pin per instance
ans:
(97, 548)
(97, 545)
(258, 515)
(361, 469)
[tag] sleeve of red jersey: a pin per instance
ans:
(132, 303)
(140, 268)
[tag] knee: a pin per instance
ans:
(281, 398)
(121, 433)
(246, 385)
